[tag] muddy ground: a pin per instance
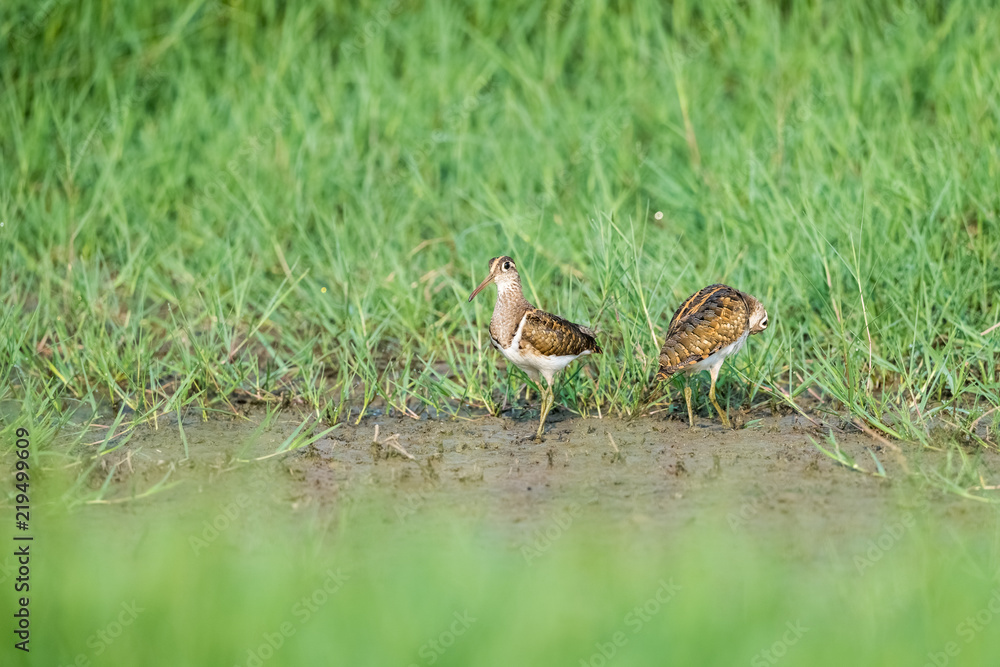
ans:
(652, 473)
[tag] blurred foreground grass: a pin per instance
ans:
(360, 589)
(209, 201)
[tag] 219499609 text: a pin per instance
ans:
(22, 539)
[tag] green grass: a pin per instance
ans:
(393, 588)
(281, 199)
(205, 203)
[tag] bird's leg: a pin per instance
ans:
(547, 400)
(687, 399)
(711, 395)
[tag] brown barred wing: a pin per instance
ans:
(553, 336)
(704, 324)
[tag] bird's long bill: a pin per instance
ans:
(479, 289)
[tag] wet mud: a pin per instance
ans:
(653, 474)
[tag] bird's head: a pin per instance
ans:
(758, 317)
(502, 272)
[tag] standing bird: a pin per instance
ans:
(537, 342)
(707, 328)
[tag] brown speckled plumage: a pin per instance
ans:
(709, 326)
(708, 321)
(537, 342)
(551, 335)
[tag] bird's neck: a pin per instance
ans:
(508, 311)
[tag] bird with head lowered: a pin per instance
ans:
(709, 326)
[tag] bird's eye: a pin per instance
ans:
(764, 323)
(506, 265)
